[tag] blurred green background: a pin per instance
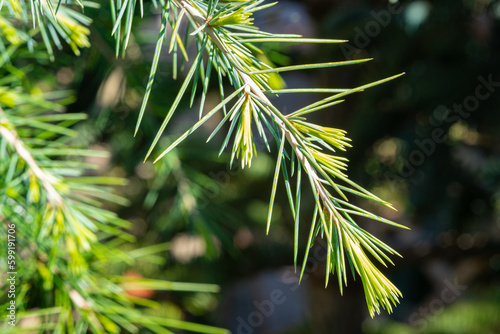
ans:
(427, 142)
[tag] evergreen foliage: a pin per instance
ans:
(66, 239)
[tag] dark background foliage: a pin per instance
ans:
(440, 169)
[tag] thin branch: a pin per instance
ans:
(45, 179)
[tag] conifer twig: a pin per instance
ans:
(45, 179)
